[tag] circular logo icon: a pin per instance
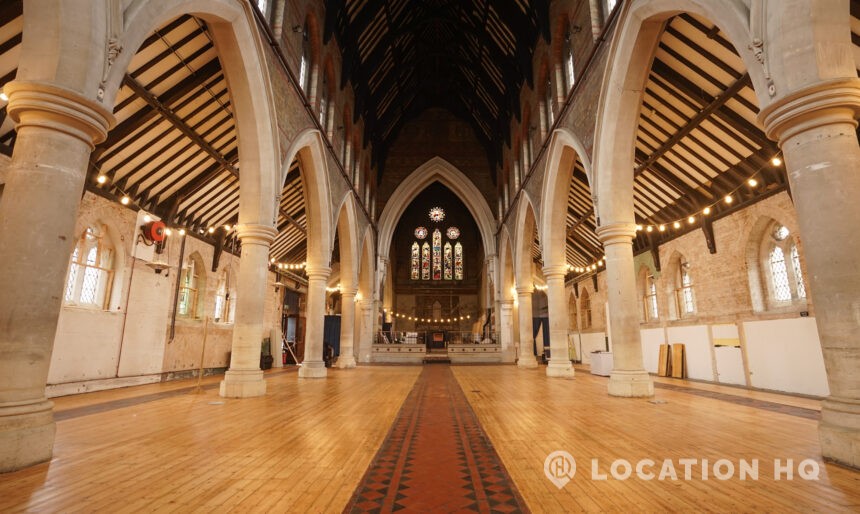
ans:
(559, 467)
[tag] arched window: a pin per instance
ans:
(782, 271)
(91, 270)
(437, 255)
(192, 287)
(324, 103)
(684, 290)
(585, 309)
(416, 259)
(449, 261)
(547, 104)
(425, 261)
(650, 299)
(567, 62)
(224, 299)
(305, 63)
(458, 261)
(572, 314)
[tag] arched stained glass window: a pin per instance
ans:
(437, 255)
(458, 261)
(416, 258)
(449, 262)
(425, 261)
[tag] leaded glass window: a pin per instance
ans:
(779, 275)
(458, 261)
(651, 300)
(416, 258)
(425, 261)
(449, 262)
(91, 271)
(798, 274)
(437, 255)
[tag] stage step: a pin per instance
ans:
(438, 358)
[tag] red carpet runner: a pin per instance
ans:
(436, 457)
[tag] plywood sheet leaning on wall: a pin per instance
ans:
(664, 364)
(679, 361)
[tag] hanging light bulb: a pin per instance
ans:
(101, 179)
(677, 224)
(125, 200)
(691, 220)
(776, 161)
(211, 230)
(706, 211)
(752, 182)
(662, 228)
(181, 231)
(147, 218)
(729, 199)
(168, 232)
(649, 229)
(639, 228)
(3, 96)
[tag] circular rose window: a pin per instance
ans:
(453, 233)
(420, 232)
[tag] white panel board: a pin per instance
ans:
(695, 338)
(652, 338)
(785, 355)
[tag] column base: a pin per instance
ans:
(839, 431)
(243, 384)
(630, 384)
(556, 369)
(529, 362)
(26, 435)
(345, 362)
(313, 369)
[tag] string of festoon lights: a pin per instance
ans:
(427, 320)
(125, 199)
(288, 266)
(753, 181)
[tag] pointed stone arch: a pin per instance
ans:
(309, 148)
(564, 149)
(526, 227)
(439, 170)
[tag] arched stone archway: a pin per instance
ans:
(437, 170)
(506, 293)
(348, 250)
(525, 229)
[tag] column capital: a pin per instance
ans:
(524, 290)
(39, 104)
(317, 272)
(348, 291)
(616, 233)
(825, 103)
(555, 271)
(255, 233)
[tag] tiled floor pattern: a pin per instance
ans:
(436, 458)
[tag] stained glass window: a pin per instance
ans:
(437, 214)
(458, 261)
(421, 232)
(437, 255)
(415, 261)
(425, 261)
(449, 272)
(452, 232)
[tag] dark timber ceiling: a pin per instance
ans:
(468, 56)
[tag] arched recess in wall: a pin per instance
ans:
(566, 152)
(436, 170)
(348, 241)
(308, 148)
(639, 31)
(240, 51)
(524, 243)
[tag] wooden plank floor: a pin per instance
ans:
(302, 448)
(528, 416)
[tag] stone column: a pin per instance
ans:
(527, 357)
(347, 327)
(365, 325)
(559, 358)
(506, 330)
(244, 379)
(816, 131)
(57, 130)
(313, 365)
(628, 377)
